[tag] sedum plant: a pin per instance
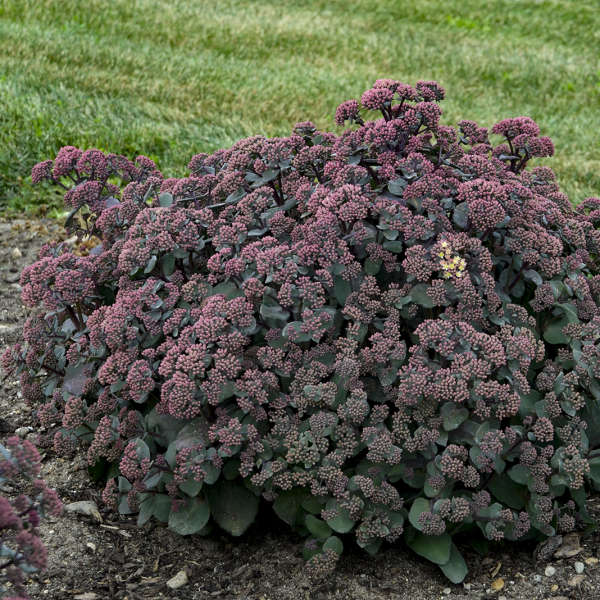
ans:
(21, 550)
(387, 333)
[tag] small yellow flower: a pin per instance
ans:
(451, 265)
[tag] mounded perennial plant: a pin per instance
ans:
(21, 550)
(392, 332)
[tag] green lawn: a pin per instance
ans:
(170, 78)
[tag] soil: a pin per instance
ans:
(113, 559)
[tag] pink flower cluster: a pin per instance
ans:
(20, 516)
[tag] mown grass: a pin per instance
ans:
(169, 78)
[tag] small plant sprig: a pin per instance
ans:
(391, 332)
(21, 550)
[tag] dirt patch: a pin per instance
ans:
(113, 559)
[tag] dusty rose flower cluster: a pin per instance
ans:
(21, 549)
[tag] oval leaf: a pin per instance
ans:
(419, 506)
(287, 505)
(317, 527)
(435, 548)
(233, 506)
(191, 517)
(456, 568)
(342, 523)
